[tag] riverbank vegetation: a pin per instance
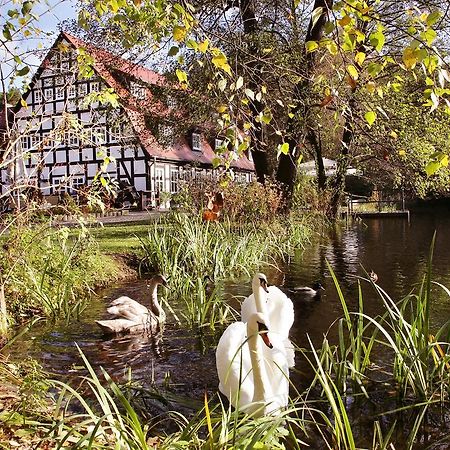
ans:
(400, 393)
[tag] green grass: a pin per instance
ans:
(120, 238)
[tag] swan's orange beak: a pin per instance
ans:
(265, 338)
(264, 333)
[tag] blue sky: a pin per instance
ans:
(50, 14)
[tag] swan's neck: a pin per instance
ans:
(261, 300)
(260, 382)
(155, 306)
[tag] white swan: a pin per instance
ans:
(132, 317)
(254, 378)
(276, 307)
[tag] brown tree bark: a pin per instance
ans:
(287, 166)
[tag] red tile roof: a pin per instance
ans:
(104, 63)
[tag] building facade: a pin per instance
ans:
(67, 134)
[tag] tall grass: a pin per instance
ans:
(187, 250)
(50, 271)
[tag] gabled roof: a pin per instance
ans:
(105, 64)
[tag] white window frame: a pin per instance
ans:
(98, 135)
(172, 102)
(218, 143)
(196, 142)
(37, 96)
(35, 140)
(24, 142)
(59, 94)
(76, 183)
(65, 65)
(82, 90)
(70, 138)
(174, 180)
(166, 132)
(137, 90)
(95, 86)
(72, 91)
(115, 132)
(48, 94)
(159, 179)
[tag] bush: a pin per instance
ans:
(243, 202)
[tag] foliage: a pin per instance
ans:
(50, 271)
(243, 202)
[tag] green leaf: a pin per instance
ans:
(432, 167)
(283, 148)
(23, 71)
(409, 58)
(173, 50)
(315, 16)
(428, 36)
(433, 17)
(181, 75)
(26, 7)
(7, 33)
(311, 46)
(370, 117)
(377, 40)
(360, 58)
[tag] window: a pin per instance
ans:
(82, 90)
(35, 140)
(47, 139)
(38, 96)
(174, 177)
(196, 142)
(114, 132)
(59, 80)
(75, 184)
(48, 94)
(165, 133)
(47, 81)
(59, 93)
(98, 135)
(72, 91)
(24, 143)
(137, 90)
(172, 102)
(95, 86)
(159, 179)
(219, 144)
(65, 66)
(71, 138)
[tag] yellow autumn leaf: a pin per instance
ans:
(409, 58)
(402, 152)
(344, 21)
(371, 86)
(203, 46)
(179, 33)
(359, 58)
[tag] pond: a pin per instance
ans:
(397, 250)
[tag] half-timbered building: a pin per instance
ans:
(67, 133)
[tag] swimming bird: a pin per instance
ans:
(132, 317)
(255, 378)
(277, 308)
(307, 292)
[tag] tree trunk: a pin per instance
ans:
(250, 24)
(287, 166)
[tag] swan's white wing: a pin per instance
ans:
(127, 308)
(234, 365)
(280, 310)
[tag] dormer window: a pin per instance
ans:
(137, 90)
(196, 142)
(219, 144)
(166, 133)
(172, 102)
